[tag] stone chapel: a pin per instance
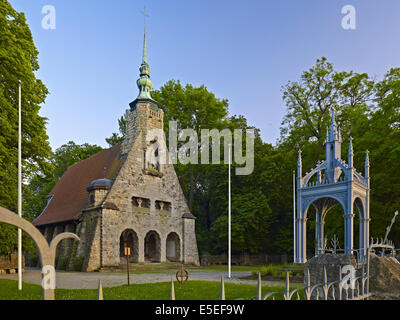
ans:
(123, 197)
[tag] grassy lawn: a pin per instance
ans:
(225, 268)
(191, 290)
(173, 268)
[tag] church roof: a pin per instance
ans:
(69, 196)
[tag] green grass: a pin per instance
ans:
(173, 268)
(279, 270)
(191, 290)
(225, 268)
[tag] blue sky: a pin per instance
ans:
(241, 50)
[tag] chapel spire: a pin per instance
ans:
(144, 83)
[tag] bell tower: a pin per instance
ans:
(144, 113)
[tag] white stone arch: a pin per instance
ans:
(47, 252)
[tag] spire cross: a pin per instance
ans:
(144, 16)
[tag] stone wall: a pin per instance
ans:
(385, 278)
(89, 244)
(384, 273)
(332, 264)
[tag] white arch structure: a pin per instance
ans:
(47, 251)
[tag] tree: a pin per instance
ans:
(195, 108)
(19, 61)
(381, 135)
(115, 137)
(310, 100)
(369, 112)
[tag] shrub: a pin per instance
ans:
(62, 262)
(33, 261)
(78, 262)
(270, 270)
(283, 274)
(274, 271)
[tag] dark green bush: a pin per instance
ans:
(62, 263)
(78, 262)
(33, 260)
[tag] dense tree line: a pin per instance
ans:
(262, 210)
(367, 110)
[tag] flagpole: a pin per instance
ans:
(229, 214)
(19, 191)
(294, 217)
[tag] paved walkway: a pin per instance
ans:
(89, 280)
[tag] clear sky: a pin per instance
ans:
(241, 50)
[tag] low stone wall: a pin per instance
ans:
(10, 262)
(243, 259)
(384, 273)
(332, 264)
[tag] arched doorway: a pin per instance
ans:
(173, 247)
(129, 239)
(152, 247)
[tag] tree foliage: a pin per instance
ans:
(368, 111)
(19, 61)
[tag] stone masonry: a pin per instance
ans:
(103, 224)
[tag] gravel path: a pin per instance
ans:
(89, 280)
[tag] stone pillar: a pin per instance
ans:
(302, 242)
(319, 233)
(362, 237)
(141, 239)
(348, 233)
(367, 220)
(364, 234)
(190, 253)
(163, 248)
